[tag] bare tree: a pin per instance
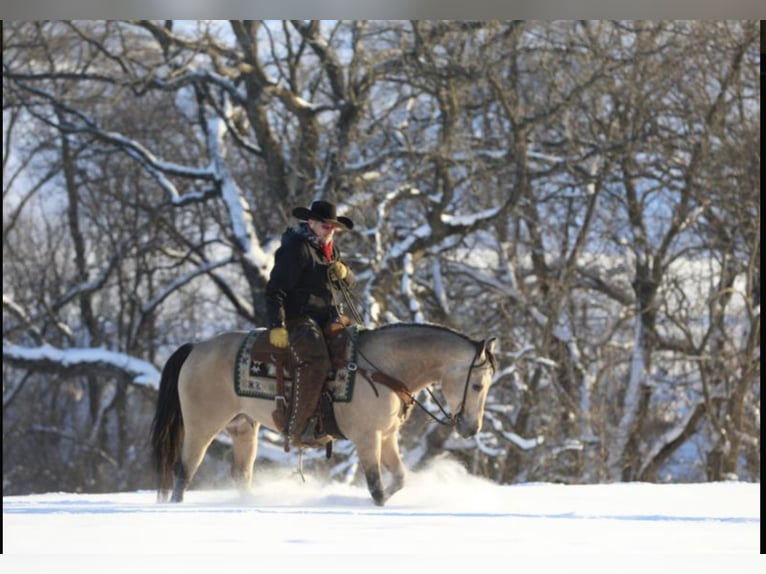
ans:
(586, 191)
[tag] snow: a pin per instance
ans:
(443, 516)
(143, 372)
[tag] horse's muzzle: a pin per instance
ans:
(464, 427)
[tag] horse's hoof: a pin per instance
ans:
(379, 498)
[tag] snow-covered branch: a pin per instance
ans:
(48, 358)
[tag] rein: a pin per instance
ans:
(408, 398)
(348, 297)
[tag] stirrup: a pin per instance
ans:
(309, 439)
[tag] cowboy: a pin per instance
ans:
(300, 306)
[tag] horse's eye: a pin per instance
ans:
(477, 387)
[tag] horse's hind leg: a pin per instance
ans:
(180, 482)
(195, 445)
(244, 436)
(368, 450)
(392, 461)
(186, 468)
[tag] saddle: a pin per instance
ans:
(262, 352)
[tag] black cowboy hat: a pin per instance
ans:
(323, 211)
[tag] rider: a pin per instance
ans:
(300, 306)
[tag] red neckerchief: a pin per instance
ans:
(327, 248)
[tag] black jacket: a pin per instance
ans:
(299, 284)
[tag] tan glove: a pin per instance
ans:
(337, 270)
(278, 337)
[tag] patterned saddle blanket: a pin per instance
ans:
(256, 366)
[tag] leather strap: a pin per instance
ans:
(392, 383)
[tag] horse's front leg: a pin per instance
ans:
(392, 461)
(368, 448)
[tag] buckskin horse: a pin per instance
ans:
(197, 399)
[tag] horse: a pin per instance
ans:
(197, 400)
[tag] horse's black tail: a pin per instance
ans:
(168, 424)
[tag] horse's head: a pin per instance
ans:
(467, 399)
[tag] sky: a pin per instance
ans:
(444, 518)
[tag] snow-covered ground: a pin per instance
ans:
(443, 517)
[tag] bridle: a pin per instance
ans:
(455, 419)
(399, 387)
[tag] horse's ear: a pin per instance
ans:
(489, 344)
